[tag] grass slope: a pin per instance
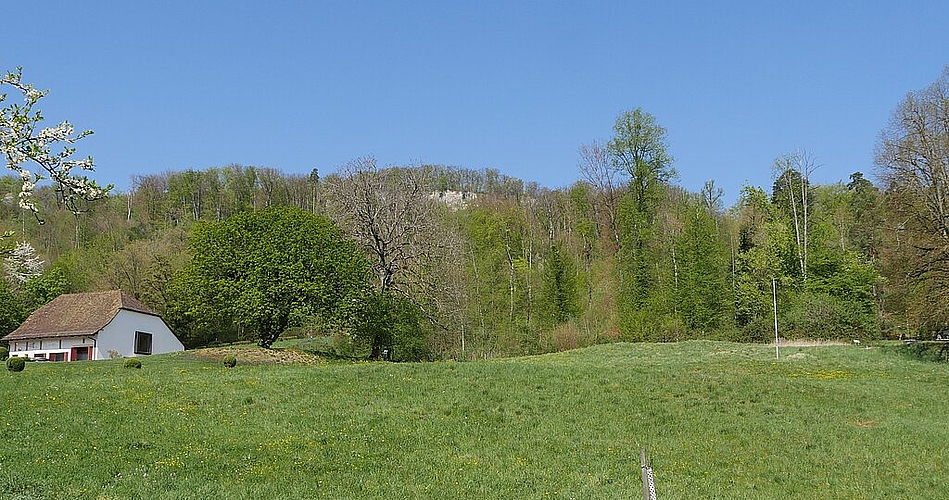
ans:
(719, 420)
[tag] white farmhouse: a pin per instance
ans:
(96, 325)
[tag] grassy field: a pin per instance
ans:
(718, 420)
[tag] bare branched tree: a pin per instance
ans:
(912, 160)
(392, 215)
(913, 156)
(596, 168)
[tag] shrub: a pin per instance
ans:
(925, 351)
(16, 364)
(343, 345)
(824, 316)
(230, 361)
(133, 363)
(4, 353)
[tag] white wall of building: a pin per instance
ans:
(119, 335)
(42, 348)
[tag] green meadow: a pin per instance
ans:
(718, 420)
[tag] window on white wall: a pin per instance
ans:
(143, 343)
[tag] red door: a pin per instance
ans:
(80, 353)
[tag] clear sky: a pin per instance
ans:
(516, 86)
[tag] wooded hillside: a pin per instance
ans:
(466, 263)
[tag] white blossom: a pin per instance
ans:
(49, 148)
(22, 264)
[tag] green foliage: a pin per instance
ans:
(789, 188)
(702, 289)
(229, 361)
(16, 364)
(837, 298)
(267, 271)
(342, 344)
(867, 215)
(531, 269)
(133, 363)
(639, 149)
(846, 276)
(392, 327)
(500, 277)
(925, 351)
(817, 315)
(12, 310)
(4, 353)
(645, 283)
(637, 253)
(6, 238)
(560, 286)
(51, 284)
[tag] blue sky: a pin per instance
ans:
(516, 86)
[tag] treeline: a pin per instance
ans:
(473, 263)
(517, 268)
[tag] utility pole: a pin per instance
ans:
(774, 298)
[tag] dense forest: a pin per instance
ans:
(433, 261)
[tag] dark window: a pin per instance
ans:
(57, 356)
(143, 343)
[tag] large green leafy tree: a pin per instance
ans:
(269, 270)
(639, 151)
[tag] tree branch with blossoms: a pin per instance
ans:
(23, 143)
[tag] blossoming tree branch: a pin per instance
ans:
(36, 153)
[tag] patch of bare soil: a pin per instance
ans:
(809, 343)
(256, 355)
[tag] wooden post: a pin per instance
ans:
(649, 486)
(642, 465)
